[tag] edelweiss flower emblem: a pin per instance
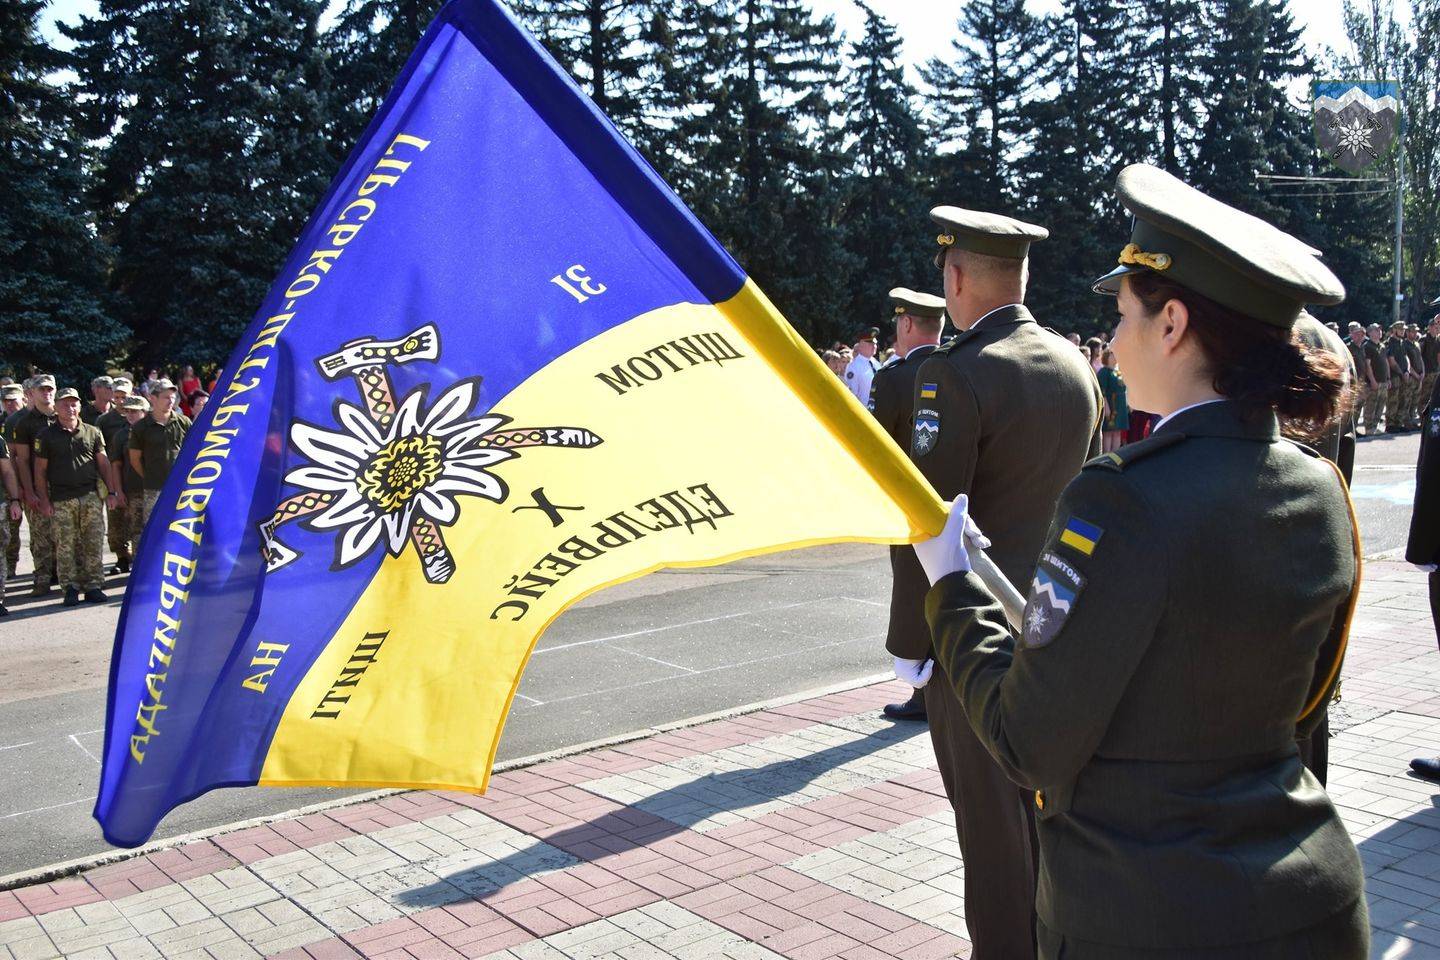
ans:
(1355, 136)
(395, 473)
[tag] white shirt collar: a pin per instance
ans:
(921, 346)
(996, 310)
(1172, 415)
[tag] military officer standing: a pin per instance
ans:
(919, 319)
(1007, 412)
(110, 423)
(70, 466)
(1430, 354)
(1397, 401)
(12, 400)
(861, 370)
(1188, 613)
(1418, 400)
(155, 441)
(28, 427)
(1378, 406)
(1423, 548)
(128, 520)
(1364, 379)
(101, 391)
(12, 509)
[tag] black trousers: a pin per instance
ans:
(1435, 603)
(1345, 936)
(994, 820)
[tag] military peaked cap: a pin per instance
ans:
(1210, 247)
(917, 304)
(988, 233)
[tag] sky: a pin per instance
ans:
(925, 26)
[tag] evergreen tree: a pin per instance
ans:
(1090, 126)
(607, 45)
(205, 184)
(991, 75)
(1251, 127)
(369, 44)
(886, 209)
(1420, 89)
(1171, 47)
(747, 142)
(53, 311)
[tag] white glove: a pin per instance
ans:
(948, 552)
(1425, 567)
(914, 672)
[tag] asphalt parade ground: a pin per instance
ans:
(670, 647)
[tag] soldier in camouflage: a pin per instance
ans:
(12, 402)
(12, 509)
(111, 424)
(70, 464)
(128, 520)
(28, 427)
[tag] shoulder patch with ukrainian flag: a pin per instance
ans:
(928, 391)
(1081, 535)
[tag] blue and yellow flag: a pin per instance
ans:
(504, 368)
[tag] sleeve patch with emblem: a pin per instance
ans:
(1081, 536)
(1053, 593)
(928, 391)
(927, 431)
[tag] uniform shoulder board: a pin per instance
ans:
(1307, 449)
(1118, 460)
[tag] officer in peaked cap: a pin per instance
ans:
(919, 320)
(1006, 412)
(860, 372)
(1186, 619)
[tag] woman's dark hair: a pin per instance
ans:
(1259, 366)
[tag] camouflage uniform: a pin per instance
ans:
(27, 429)
(79, 542)
(1399, 392)
(12, 527)
(151, 498)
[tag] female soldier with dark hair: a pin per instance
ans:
(1187, 617)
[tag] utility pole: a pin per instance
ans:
(1399, 219)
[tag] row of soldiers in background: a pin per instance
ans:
(79, 473)
(1395, 374)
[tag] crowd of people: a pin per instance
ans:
(80, 473)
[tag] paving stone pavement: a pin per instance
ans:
(806, 831)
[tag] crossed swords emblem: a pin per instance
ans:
(382, 484)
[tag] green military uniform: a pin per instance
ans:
(5, 569)
(1430, 357)
(110, 423)
(72, 472)
(1398, 394)
(7, 433)
(892, 402)
(1007, 412)
(1376, 405)
(159, 445)
(1417, 367)
(1191, 602)
(30, 424)
(127, 522)
(1359, 363)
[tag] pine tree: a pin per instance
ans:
(886, 208)
(1251, 127)
(607, 45)
(53, 310)
(369, 44)
(205, 184)
(1090, 126)
(1170, 50)
(992, 73)
(746, 113)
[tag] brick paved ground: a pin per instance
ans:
(807, 831)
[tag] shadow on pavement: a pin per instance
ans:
(1402, 862)
(666, 813)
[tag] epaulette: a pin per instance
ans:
(1305, 448)
(1118, 460)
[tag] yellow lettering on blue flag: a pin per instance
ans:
(504, 368)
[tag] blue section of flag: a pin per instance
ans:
(1372, 88)
(1087, 530)
(521, 179)
(1060, 591)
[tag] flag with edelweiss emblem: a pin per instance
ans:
(504, 368)
(1356, 122)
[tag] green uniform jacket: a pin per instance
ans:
(1015, 414)
(891, 400)
(1189, 604)
(1338, 443)
(1424, 544)
(1379, 369)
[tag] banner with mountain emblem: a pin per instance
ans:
(1356, 122)
(504, 368)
